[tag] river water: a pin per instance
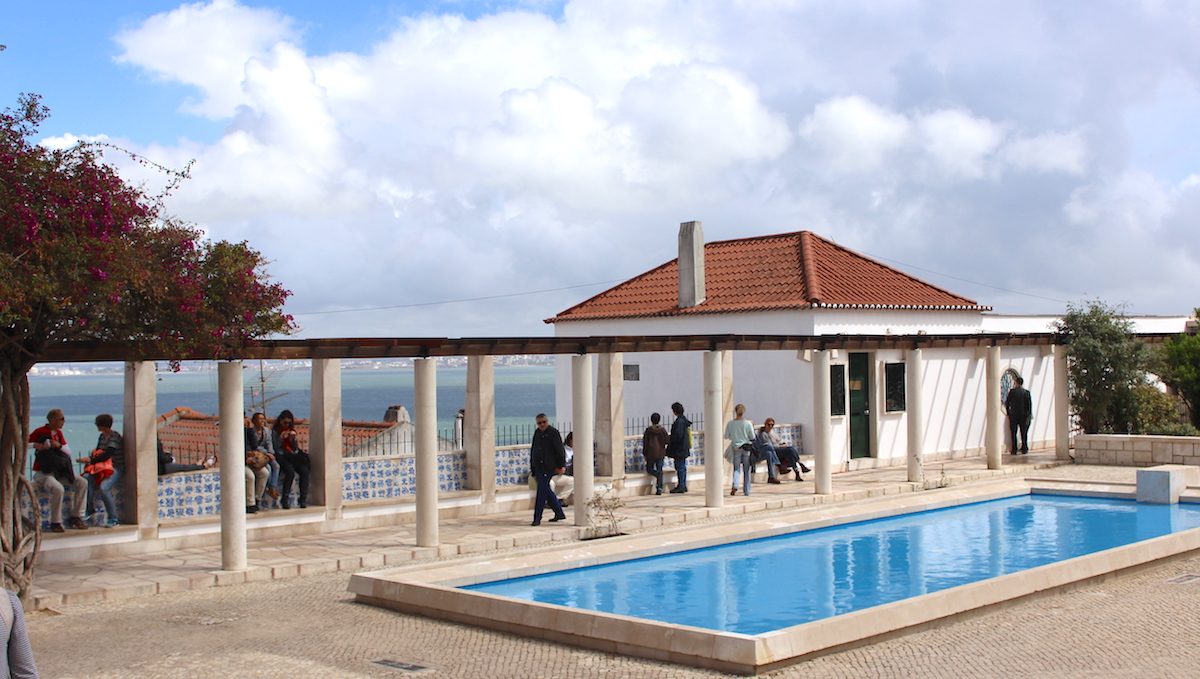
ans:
(521, 393)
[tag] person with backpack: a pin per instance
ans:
(679, 446)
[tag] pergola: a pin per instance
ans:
(597, 410)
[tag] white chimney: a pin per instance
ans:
(691, 264)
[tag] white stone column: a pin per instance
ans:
(995, 415)
(915, 405)
(1062, 405)
(233, 466)
(141, 448)
(479, 435)
(582, 412)
(727, 402)
(822, 425)
(325, 435)
(425, 440)
(610, 416)
(714, 430)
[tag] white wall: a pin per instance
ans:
(895, 322)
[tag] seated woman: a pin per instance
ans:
(259, 455)
(168, 465)
(785, 456)
(293, 460)
(564, 484)
(111, 448)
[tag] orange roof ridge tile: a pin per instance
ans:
(811, 283)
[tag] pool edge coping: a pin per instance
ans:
(433, 590)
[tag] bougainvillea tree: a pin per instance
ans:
(84, 255)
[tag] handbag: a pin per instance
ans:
(100, 470)
(753, 450)
(257, 459)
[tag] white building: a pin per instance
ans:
(802, 284)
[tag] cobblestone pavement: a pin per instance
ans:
(308, 626)
(1136, 626)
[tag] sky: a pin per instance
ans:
(463, 169)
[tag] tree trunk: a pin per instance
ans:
(20, 533)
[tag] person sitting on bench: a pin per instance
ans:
(785, 456)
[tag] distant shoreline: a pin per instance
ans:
(115, 368)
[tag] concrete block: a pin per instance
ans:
(1164, 483)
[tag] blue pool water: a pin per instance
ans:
(762, 585)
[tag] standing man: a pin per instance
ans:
(546, 458)
(654, 449)
(1019, 406)
(53, 471)
(679, 447)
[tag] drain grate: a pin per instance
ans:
(1184, 579)
(397, 665)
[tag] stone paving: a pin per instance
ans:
(308, 626)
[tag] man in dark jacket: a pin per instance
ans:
(1019, 405)
(654, 449)
(547, 457)
(679, 447)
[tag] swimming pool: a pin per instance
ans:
(444, 590)
(771, 583)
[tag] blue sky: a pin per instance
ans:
(392, 155)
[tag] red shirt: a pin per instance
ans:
(42, 432)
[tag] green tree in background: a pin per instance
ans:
(1181, 371)
(1106, 362)
(86, 256)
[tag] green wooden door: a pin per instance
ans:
(860, 405)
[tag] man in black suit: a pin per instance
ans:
(1019, 405)
(547, 457)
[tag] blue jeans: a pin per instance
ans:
(545, 494)
(655, 469)
(741, 460)
(273, 479)
(104, 490)
(681, 472)
(772, 460)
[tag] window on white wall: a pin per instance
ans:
(837, 389)
(1007, 381)
(632, 372)
(893, 387)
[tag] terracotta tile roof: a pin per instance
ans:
(787, 271)
(191, 436)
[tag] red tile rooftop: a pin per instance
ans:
(797, 270)
(191, 436)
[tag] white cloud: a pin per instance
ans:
(206, 45)
(457, 157)
(1049, 152)
(855, 135)
(958, 143)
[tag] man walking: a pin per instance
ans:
(679, 447)
(546, 458)
(1019, 405)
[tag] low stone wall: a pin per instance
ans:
(197, 494)
(1135, 450)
